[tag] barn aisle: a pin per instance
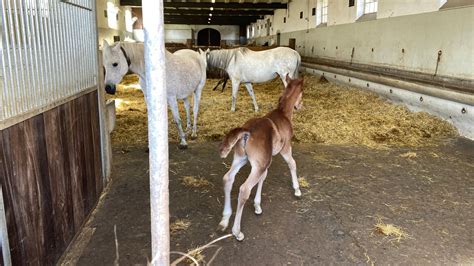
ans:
(426, 192)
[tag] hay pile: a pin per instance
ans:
(331, 114)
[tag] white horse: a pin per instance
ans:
(185, 74)
(246, 66)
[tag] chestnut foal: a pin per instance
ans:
(257, 141)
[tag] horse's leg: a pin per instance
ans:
(235, 89)
(173, 104)
(188, 115)
(252, 94)
(283, 78)
(239, 161)
(244, 194)
(197, 100)
(258, 195)
(225, 83)
(288, 157)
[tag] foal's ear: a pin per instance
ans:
(288, 79)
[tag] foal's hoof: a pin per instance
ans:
(182, 146)
(298, 192)
(258, 209)
(240, 236)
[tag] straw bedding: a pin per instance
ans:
(331, 114)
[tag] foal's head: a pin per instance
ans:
(116, 65)
(292, 97)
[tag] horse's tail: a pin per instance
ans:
(298, 63)
(231, 139)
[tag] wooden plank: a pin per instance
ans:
(88, 156)
(50, 171)
(58, 165)
(94, 108)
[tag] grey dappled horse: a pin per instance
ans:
(185, 74)
(246, 66)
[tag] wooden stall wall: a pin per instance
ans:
(50, 171)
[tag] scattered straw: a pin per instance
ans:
(390, 230)
(191, 181)
(179, 225)
(197, 251)
(303, 182)
(331, 114)
(408, 155)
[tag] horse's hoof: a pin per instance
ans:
(298, 192)
(182, 146)
(193, 137)
(239, 236)
(223, 225)
(258, 209)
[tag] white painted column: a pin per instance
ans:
(157, 129)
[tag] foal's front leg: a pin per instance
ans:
(173, 104)
(286, 153)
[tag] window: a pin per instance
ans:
(301, 14)
(370, 6)
(322, 12)
(351, 3)
(313, 11)
(284, 20)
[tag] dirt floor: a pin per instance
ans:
(427, 192)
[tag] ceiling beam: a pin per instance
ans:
(214, 21)
(217, 12)
(208, 5)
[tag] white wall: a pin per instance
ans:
(176, 33)
(109, 26)
(421, 36)
(406, 7)
(339, 12)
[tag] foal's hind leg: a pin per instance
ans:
(252, 94)
(244, 194)
(286, 153)
(173, 104)
(239, 161)
(188, 114)
(258, 195)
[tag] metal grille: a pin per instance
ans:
(48, 53)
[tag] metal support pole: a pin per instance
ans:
(157, 129)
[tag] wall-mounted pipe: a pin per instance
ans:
(434, 91)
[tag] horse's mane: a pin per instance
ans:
(222, 58)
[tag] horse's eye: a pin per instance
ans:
(115, 64)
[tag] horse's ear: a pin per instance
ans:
(201, 51)
(105, 44)
(117, 47)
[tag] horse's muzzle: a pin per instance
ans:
(110, 89)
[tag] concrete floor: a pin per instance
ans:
(430, 196)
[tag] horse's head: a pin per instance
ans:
(116, 65)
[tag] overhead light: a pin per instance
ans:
(210, 14)
(212, 8)
(213, 1)
(208, 22)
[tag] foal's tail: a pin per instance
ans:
(231, 139)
